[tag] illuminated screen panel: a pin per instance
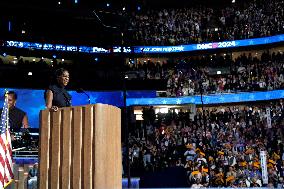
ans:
(148, 49)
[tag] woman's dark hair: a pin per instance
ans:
(59, 72)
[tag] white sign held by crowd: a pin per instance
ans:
(268, 117)
(263, 164)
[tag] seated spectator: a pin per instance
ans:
(32, 177)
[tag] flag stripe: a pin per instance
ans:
(2, 161)
(6, 173)
(8, 167)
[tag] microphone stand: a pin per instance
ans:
(88, 96)
(82, 91)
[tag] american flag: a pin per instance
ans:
(6, 173)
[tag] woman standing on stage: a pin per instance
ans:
(56, 96)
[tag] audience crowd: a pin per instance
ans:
(245, 73)
(256, 18)
(220, 149)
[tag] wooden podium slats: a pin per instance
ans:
(66, 149)
(117, 158)
(55, 149)
(100, 140)
(77, 146)
(109, 148)
(87, 146)
(44, 148)
(80, 147)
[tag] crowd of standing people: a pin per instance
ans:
(220, 149)
(245, 73)
(256, 18)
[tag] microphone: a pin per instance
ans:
(80, 90)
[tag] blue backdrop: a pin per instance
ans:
(32, 101)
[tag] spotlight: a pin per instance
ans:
(59, 3)
(219, 72)
(4, 54)
(30, 73)
(138, 8)
(62, 59)
(34, 60)
(54, 56)
(108, 4)
(123, 8)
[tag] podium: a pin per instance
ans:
(80, 148)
